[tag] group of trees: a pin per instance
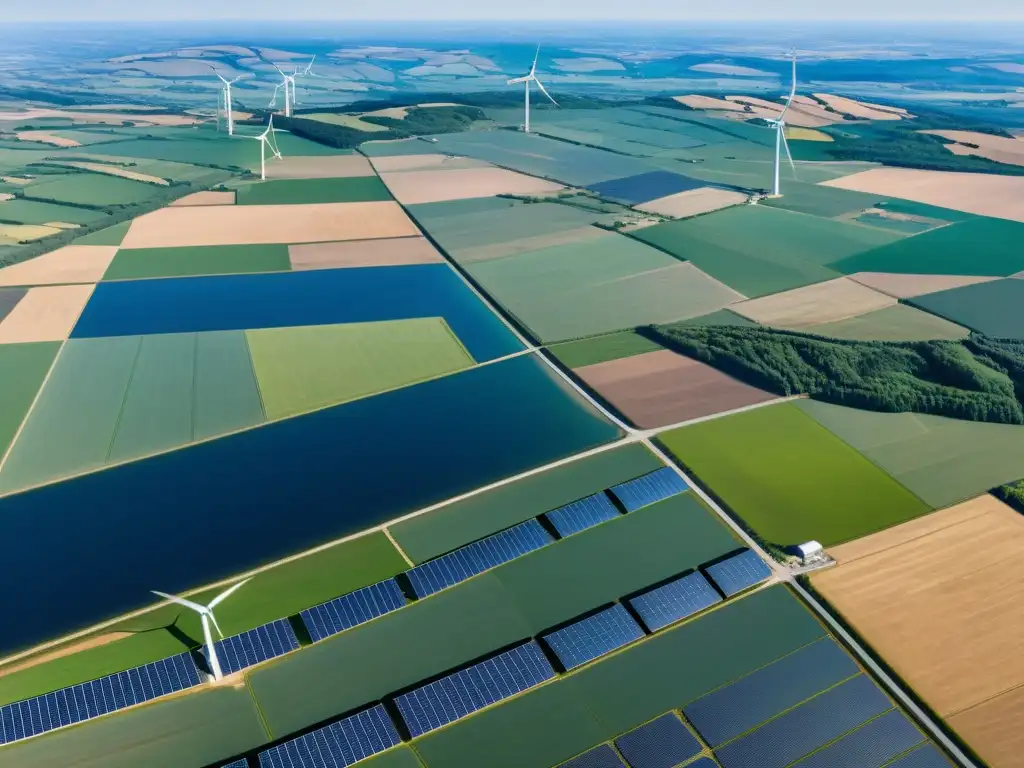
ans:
(979, 379)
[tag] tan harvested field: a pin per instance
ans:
(255, 224)
(45, 314)
(707, 102)
(800, 115)
(364, 253)
(70, 264)
(994, 729)
(950, 580)
(42, 137)
(982, 193)
(794, 133)
(814, 304)
(323, 167)
(396, 113)
(112, 118)
(26, 233)
(348, 121)
(659, 388)
(693, 202)
(998, 148)
(905, 286)
(862, 109)
(413, 187)
(208, 197)
(124, 173)
(390, 164)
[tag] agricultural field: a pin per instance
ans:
(399, 251)
(351, 189)
(430, 186)
(991, 308)
(70, 264)
(140, 263)
(789, 480)
(601, 349)
(816, 304)
(695, 202)
(899, 322)
(919, 589)
(92, 189)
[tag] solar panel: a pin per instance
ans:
(336, 745)
(675, 601)
(927, 756)
(870, 746)
(468, 690)
(704, 762)
(661, 743)
(650, 488)
(594, 636)
(257, 645)
(598, 757)
(243, 763)
(726, 713)
(352, 609)
(97, 697)
(739, 572)
(442, 572)
(811, 725)
(582, 514)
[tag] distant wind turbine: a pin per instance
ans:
(268, 137)
(206, 616)
(288, 83)
(780, 137)
(226, 98)
(531, 77)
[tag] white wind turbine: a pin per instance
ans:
(206, 616)
(531, 77)
(268, 137)
(288, 83)
(780, 137)
(226, 98)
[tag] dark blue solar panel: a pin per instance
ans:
(352, 609)
(257, 645)
(927, 756)
(598, 757)
(675, 601)
(726, 713)
(648, 489)
(439, 573)
(871, 746)
(806, 728)
(704, 762)
(739, 572)
(468, 690)
(582, 514)
(661, 743)
(594, 636)
(96, 697)
(336, 745)
(243, 763)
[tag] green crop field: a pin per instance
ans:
(943, 461)
(219, 152)
(603, 285)
(818, 200)
(308, 367)
(789, 479)
(758, 250)
(896, 323)
(109, 236)
(137, 263)
(979, 246)
(601, 349)
(21, 211)
(993, 308)
(510, 603)
(22, 369)
(307, 191)
(93, 189)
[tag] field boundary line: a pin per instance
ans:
(387, 532)
(986, 700)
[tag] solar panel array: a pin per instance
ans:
(675, 601)
(257, 645)
(811, 725)
(243, 763)
(336, 745)
(661, 743)
(582, 514)
(739, 572)
(97, 697)
(650, 488)
(442, 572)
(871, 746)
(352, 609)
(594, 636)
(598, 757)
(927, 756)
(468, 690)
(736, 708)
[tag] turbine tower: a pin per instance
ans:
(226, 97)
(206, 616)
(268, 137)
(780, 137)
(288, 82)
(531, 77)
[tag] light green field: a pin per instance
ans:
(353, 189)
(308, 367)
(603, 285)
(348, 121)
(601, 349)
(943, 461)
(896, 323)
(818, 200)
(137, 263)
(94, 189)
(789, 479)
(36, 212)
(22, 369)
(109, 236)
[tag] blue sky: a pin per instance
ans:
(593, 10)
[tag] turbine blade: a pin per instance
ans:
(542, 90)
(535, 57)
(788, 154)
(181, 601)
(517, 80)
(792, 90)
(214, 620)
(227, 592)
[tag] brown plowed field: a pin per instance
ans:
(905, 286)
(659, 388)
(364, 253)
(814, 304)
(693, 202)
(209, 197)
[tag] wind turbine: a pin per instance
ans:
(206, 616)
(226, 95)
(288, 81)
(265, 138)
(527, 79)
(780, 137)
